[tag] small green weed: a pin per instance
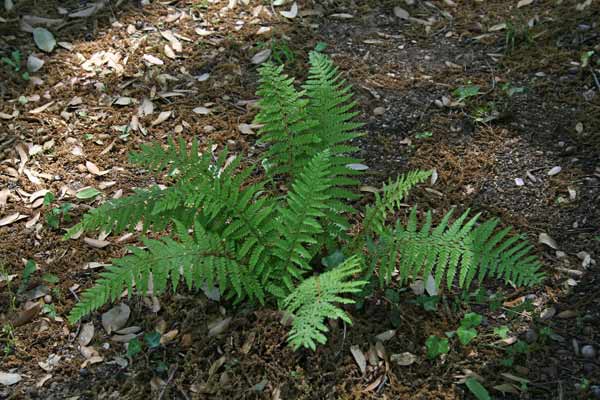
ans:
(477, 389)
(436, 346)
(57, 214)
(463, 93)
(8, 339)
(281, 52)
(466, 332)
(518, 33)
(14, 62)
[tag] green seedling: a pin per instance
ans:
(14, 62)
(466, 332)
(57, 214)
(463, 93)
(436, 346)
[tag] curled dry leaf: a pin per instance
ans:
(152, 59)
(98, 244)
(162, 117)
(9, 219)
(116, 318)
(360, 358)
(292, 13)
(261, 56)
(37, 195)
(544, 238)
(204, 32)
(92, 360)
(169, 336)
(43, 380)
(33, 221)
(41, 109)
(218, 327)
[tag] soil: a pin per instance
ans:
(404, 73)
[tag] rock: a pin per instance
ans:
(530, 335)
(595, 391)
(588, 352)
(404, 359)
(379, 111)
(548, 313)
(567, 314)
(589, 368)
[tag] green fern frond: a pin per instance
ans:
(458, 248)
(173, 157)
(330, 104)
(287, 126)
(201, 259)
(393, 193)
(300, 219)
(124, 214)
(315, 299)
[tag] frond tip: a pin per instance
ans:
(314, 300)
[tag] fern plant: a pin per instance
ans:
(260, 245)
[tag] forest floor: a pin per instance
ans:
(112, 84)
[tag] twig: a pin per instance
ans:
(74, 294)
(171, 375)
(595, 78)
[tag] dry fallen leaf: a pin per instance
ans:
(87, 334)
(544, 238)
(403, 359)
(523, 3)
(261, 56)
(99, 244)
(360, 358)
(169, 336)
(9, 219)
(8, 379)
(115, 318)
(162, 117)
(152, 59)
(169, 52)
(292, 13)
(41, 108)
(201, 110)
(34, 220)
(43, 380)
(218, 327)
